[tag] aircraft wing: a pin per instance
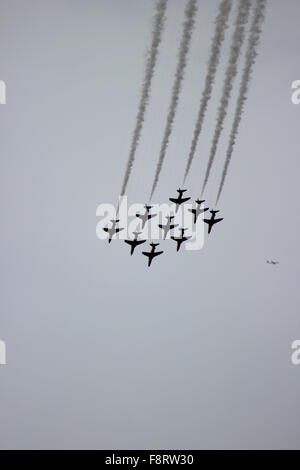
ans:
(156, 253)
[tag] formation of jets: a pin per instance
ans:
(168, 226)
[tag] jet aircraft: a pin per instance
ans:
(179, 200)
(181, 239)
(198, 210)
(146, 216)
(212, 221)
(168, 226)
(113, 229)
(152, 254)
(134, 242)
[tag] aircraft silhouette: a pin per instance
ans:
(152, 254)
(272, 262)
(113, 229)
(134, 242)
(168, 226)
(212, 221)
(179, 200)
(146, 216)
(198, 210)
(180, 240)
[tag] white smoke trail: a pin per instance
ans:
(218, 38)
(188, 27)
(230, 74)
(251, 53)
(158, 26)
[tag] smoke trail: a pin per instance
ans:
(158, 26)
(230, 74)
(221, 25)
(188, 26)
(251, 53)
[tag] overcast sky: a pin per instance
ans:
(102, 352)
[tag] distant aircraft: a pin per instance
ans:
(182, 239)
(135, 242)
(179, 200)
(146, 216)
(212, 221)
(168, 226)
(152, 254)
(198, 210)
(113, 229)
(272, 262)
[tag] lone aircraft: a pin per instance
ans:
(272, 262)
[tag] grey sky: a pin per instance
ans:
(103, 352)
